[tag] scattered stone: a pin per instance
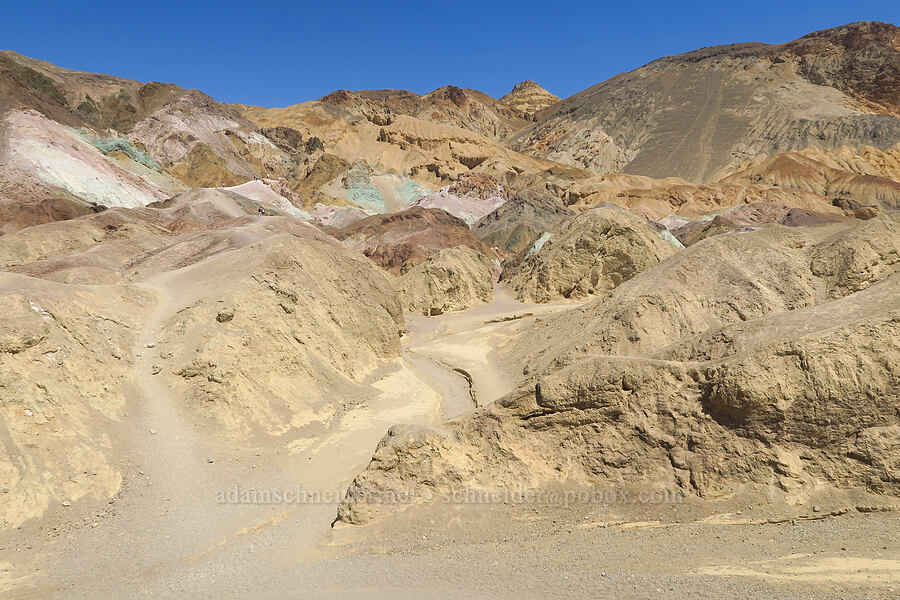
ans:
(224, 316)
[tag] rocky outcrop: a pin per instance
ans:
(200, 140)
(790, 417)
(305, 309)
(515, 225)
(448, 105)
(450, 280)
(64, 355)
(753, 215)
(867, 176)
(529, 97)
(399, 241)
(656, 199)
(855, 260)
(591, 254)
(470, 198)
(724, 280)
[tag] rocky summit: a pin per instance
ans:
(642, 341)
(529, 97)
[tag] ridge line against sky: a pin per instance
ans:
(281, 53)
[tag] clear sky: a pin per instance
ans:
(279, 53)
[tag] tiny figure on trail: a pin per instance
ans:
(261, 212)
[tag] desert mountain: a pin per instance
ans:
(74, 141)
(798, 124)
(469, 109)
(171, 124)
(405, 140)
(699, 114)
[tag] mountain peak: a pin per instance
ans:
(528, 96)
(527, 84)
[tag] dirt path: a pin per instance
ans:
(453, 387)
(465, 344)
(168, 512)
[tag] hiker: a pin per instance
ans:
(261, 212)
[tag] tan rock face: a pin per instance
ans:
(870, 176)
(741, 373)
(296, 323)
(450, 280)
(65, 355)
(718, 282)
(529, 97)
(855, 260)
(752, 215)
(450, 105)
(656, 199)
(591, 254)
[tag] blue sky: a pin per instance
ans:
(279, 53)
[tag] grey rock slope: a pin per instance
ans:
(698, 114)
